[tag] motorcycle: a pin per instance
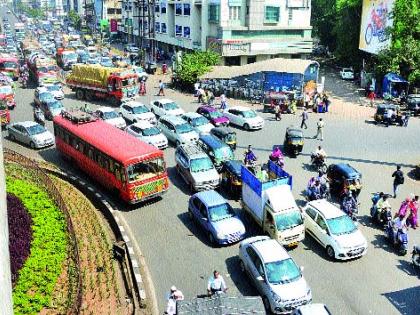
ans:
(398, 238)
(319, 163)
(39, 117)
(24, 79)
(379, 216)
(350, 208)
(415, 257)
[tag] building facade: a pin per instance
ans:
(242, 31)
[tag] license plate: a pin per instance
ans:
(293, 244)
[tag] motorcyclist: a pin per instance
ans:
(39, 115)
(277, 156)
(323, 179)
(315, 190)
(349, 204)
(250, 157)
(375, 198)
(319, 156)
(381, 206)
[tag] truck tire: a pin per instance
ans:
(89, 96)
(80, 94)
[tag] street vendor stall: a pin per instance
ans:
(394, 86)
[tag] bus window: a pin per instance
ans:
(145, 170)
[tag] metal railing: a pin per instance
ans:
(42, 179)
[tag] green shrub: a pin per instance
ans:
(41, 270)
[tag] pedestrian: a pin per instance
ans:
(326, 101)
(371, 97)
(405, 119)
(320, 129)
(204, 97)
(216, 284)
(200, 94)
(161, 88)
(388, 116)
(404, 207)
(304, 118)
(412, 217)
(223, 103)
(142, 87)
(173, 296)
(210, 98)
(196, 87)
(277, 112)
(307, 99)
(398, 179)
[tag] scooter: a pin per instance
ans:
(415, 257)
(398, 238)
(319, 164)
(350, 209)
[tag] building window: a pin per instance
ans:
(186, 32)
(163, 28)
(163, 8)
(234, 13)
(290, 14)
(178, 9)
(272, 14)
(157, 27)
(187, 9)
(178, 30)
(110, 11)
(157, 8)
(214, 13)
(117, 11)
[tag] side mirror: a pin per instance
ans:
(301, 268)
(205, 219)
(260, 278)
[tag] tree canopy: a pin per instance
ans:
(195, 64)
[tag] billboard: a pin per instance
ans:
(114, 26)
(376, 18)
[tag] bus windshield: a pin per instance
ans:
(145, 170)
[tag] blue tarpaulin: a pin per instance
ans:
(393, 84)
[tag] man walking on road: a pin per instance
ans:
(320, 130)
(304, 119)
(398, 179)
(161, 88)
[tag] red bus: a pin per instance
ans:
(122, 163)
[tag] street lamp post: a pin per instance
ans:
(5, 275)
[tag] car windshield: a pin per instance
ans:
(53, 87)
(6, 89)
(216, 114)
(249, 114)
(45, 96)
(110, 115)
(282, 271)
(288, 220)
(341, 225)
(220, 212)
(55, 105)
(140, 109)
(183, 128)
(8, 65)
(224, 153)
(201, 165)
(200, 121)
(35, 130)
(170, 106)
(70, 56)
(152, 131)
(145, 170)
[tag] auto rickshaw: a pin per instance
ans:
(276, 99)
(226, 135)
(231, 178)
(344, 178)
(381, 111)
(293, 141)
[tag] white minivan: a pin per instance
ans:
(177, 130)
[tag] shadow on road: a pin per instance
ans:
(406, 301)
(408, 268)
(177, 180)
(239, 278)
(382, 242)
(194, 228)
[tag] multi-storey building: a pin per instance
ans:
(242, 31)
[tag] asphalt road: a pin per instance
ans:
(178, 253)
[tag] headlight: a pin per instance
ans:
(221, 236)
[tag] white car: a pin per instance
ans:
(165, 107)
(177, 130)
(200, 123)
(312, 309)
(274, 273)
(55, 89)
(347, 74)
(136, 111)
(30, 133)
(110, 116)
(146, 132)
(334, 230)
(244, 117)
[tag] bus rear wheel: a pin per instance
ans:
(80, 94)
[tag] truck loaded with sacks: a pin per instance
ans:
(95, 81)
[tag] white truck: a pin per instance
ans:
(272, 206)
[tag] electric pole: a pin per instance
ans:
(5, 274)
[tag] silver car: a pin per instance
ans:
(30, 133)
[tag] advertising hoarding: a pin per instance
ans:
(376, 18)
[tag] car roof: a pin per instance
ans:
(240, 108)
(134, 104)
(270, 250)
(212, 141)
(208, 108)
(210, 198)
(26, 123)
(222, 130)
(192, 150)
(234, 166)
(105, 109)
(164, 100)
(142, 124)
(192, 115)
(327, 209)
(313, 309)
(175, 120)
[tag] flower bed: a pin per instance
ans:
(39, 274)
(20, 234)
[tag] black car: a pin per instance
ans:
(344, 178)
(413, 103)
